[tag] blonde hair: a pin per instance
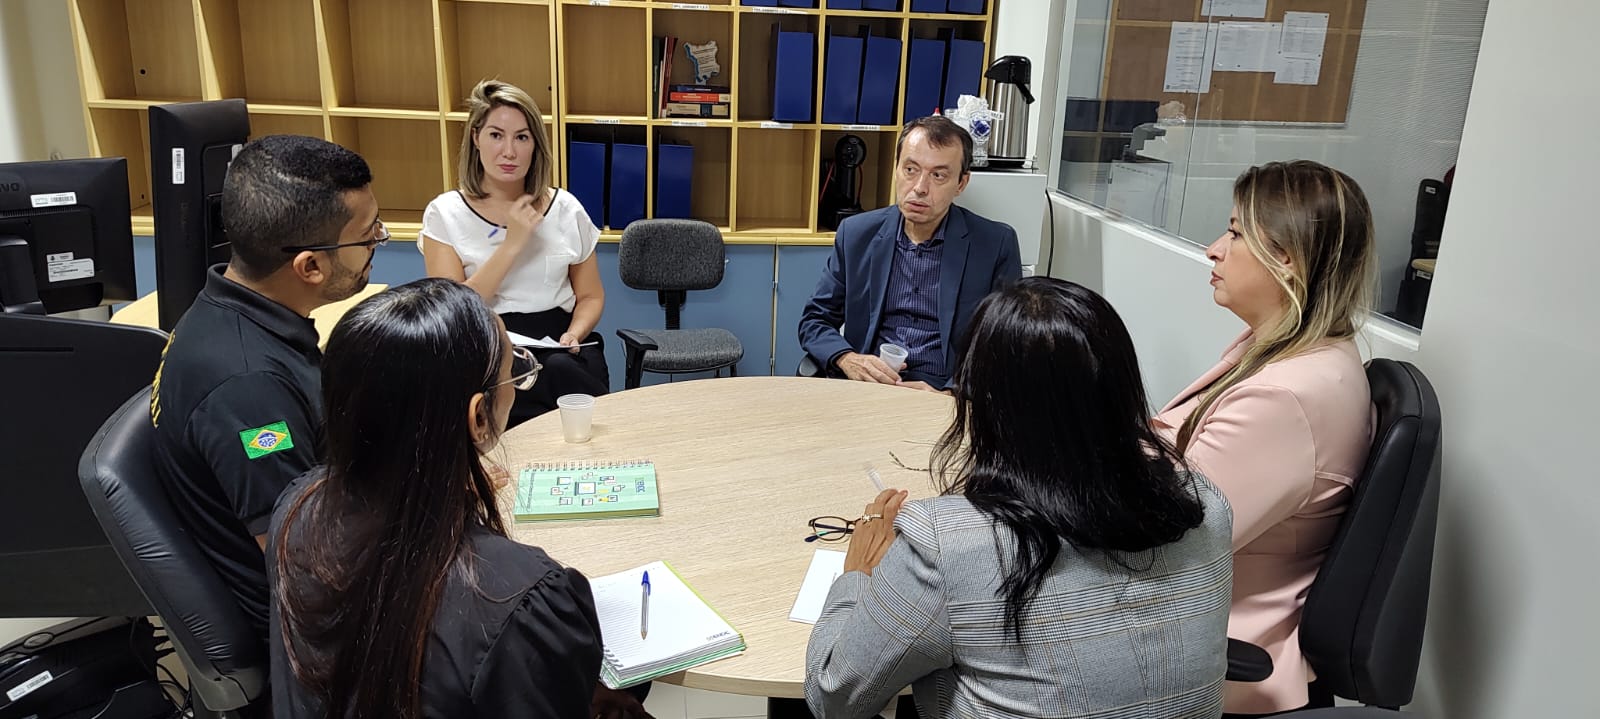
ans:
(1310, 226)
(485, 97)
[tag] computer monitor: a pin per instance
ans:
(191, 145)
(66, 240)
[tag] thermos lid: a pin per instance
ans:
(1013, 69)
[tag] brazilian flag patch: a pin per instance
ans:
(263, 441)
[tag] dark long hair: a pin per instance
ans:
(1052, 435)
(375, 537)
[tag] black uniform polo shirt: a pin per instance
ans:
(237, 408)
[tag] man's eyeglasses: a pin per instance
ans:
(381, 239)
(834, 529)
(524, 370)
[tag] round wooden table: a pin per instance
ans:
(742, 464)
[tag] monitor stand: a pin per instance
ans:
(19, 293)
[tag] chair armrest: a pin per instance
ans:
(1247, 662)
(636, 340)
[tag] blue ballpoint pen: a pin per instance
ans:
(644, 606)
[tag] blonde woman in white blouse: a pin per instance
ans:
(526, 247)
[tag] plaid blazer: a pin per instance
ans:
(1099, 640)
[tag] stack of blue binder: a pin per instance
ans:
(860, 79)
(609, 180)
(939, 71)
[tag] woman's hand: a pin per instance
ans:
(498, 476)
(522, 219)
(569, 339)
(874, 533)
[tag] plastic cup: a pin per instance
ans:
(893, 355)
(577, 416)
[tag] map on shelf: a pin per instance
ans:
(586, 490)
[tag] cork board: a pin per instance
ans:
(1136, 64)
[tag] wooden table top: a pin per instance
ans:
(144, 312)
(742, 464)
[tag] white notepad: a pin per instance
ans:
(685, 631)
(826, 566)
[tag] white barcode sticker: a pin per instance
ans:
(772, 125)
(777, 11)
(690, 6)
(862, 128)
(688, 123)
(177, 165)
(69, 270)
(28, 687)
(54, 199)
(607, 121)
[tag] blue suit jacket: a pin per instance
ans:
(979, 256)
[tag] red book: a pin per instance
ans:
(699, 97)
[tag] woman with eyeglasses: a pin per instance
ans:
(395, 589)
(528, 248)
(1071, 566)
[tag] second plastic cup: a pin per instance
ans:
(577, 416)
(893, 355)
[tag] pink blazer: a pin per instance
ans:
(1285, 447)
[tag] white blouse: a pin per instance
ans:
(538, 281)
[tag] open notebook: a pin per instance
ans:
(684, 630)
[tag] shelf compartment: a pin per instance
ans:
(697, 27)
(877, 172)
(710, 172)
(607, 67)
(777, 181)
(753, 93)
(138, 50)
(405, 157)
(263, 124)
(125, 133)
(380, 54)
(474, 50)
(264, 51)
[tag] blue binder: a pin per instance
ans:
(674, 174)
(844, 4)
(928, 5)
(841, 81)
(880, 78)
(963, 70)
(889, 5)
(627, 185)
(924, 78)
(759, 3)
(798, 3)
(794, 70)
(966, 7)
(586, 178)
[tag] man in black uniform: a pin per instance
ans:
(237, 403)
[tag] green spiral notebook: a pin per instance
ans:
(586, 490)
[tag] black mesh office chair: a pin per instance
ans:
(1361, 629)
(673, 257)
(225, 658)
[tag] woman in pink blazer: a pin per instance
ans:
(1283, 423)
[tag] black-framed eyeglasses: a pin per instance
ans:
(524, 370)
(373, 244)
(834, 529)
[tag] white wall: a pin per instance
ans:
(1512, 345)
(38, 83)
(1409, 100)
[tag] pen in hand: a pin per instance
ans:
(644, 606)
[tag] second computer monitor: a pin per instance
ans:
(66, 242)
(191, 144)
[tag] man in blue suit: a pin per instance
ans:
(911, 274)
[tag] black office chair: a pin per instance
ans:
(1361, 629)
(673, 257)
(60, 379)
(225, 658)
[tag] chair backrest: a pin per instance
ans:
(1362, 624)
(671, 255)
(223, 654)
(60, 379)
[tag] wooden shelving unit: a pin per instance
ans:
(387, 78)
